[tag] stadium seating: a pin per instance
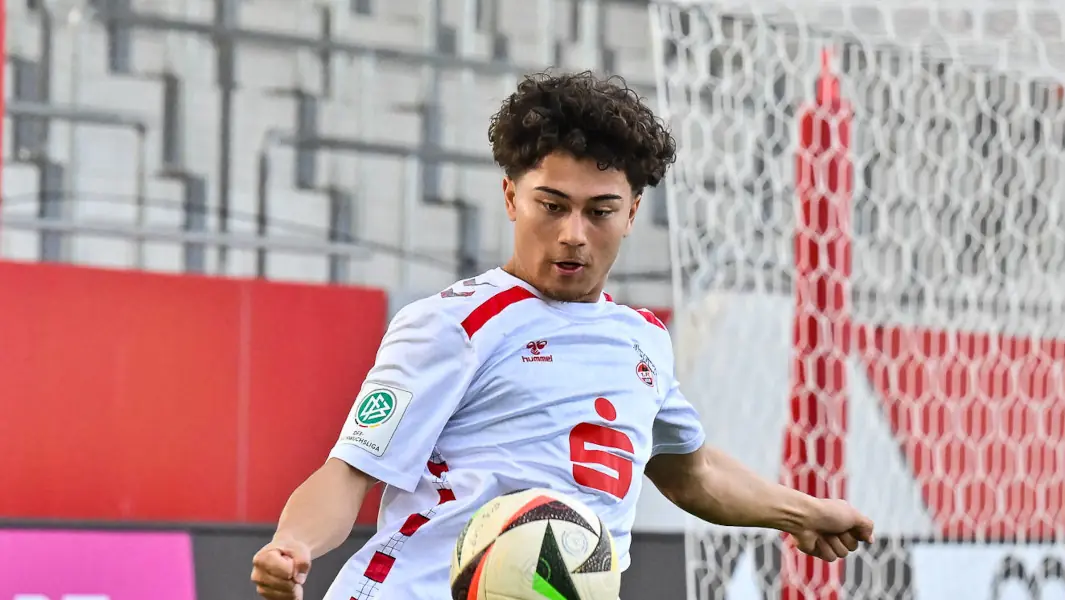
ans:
(161, 80)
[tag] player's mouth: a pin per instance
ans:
(570, 268)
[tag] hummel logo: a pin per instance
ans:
(535, 348)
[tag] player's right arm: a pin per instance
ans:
(421, 373)
(317, 518)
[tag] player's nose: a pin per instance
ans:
(572, 231)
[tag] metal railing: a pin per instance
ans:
(422, 160)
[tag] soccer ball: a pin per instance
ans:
(531, 545)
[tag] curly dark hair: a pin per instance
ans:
(586, 116)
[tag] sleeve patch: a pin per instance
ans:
(375, 417)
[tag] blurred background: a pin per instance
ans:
(210, 210)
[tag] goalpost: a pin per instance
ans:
(867, 242)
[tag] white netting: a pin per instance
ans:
(904, 347)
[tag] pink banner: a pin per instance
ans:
(60, 565)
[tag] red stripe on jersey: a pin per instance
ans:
(651, 318)
(608, 297)
(380, 564)
(436, 469)
(379, 567)
(493, 307)
(413, 523)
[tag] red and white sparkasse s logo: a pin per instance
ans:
(535, 347)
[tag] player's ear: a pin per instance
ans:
(509, 197)
(634, 205)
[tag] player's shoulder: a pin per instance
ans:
(644, 326)
(640, 318)
(468, 303)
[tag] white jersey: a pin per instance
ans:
(487, 388)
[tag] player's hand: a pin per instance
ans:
(280, 568)
(832, 529)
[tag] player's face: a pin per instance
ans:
(570, 218)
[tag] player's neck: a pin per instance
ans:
(513, 268)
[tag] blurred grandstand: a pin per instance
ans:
(300, 140)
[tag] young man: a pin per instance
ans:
(530, 376)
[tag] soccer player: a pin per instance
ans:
(529, 375)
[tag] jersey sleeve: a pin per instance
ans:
(421, 373)
(677, 429)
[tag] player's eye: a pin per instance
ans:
(551, 207)
(603, 214)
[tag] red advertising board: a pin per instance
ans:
(137, 396)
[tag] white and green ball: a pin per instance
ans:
(535, 544)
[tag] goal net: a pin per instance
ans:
(867, 240)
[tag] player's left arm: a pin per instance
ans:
(709, 484)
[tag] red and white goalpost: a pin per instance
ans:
(813, 451)
(867, 230)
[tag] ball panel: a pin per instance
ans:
(588, 514)
(602, 558)
(466, 583)
(552, 578)
(547, 590)
(509, 571)
(458, 556)
(477, 589)
(544, 508)
(598, 586)
(575, 543)
(584, 511)
(529, 563)
(485, 524)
